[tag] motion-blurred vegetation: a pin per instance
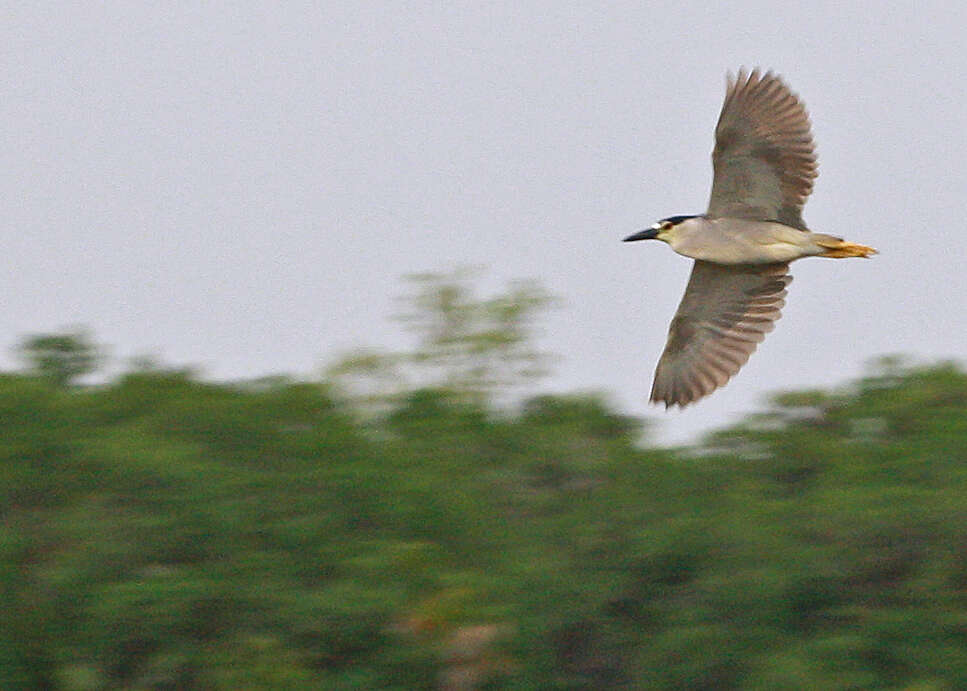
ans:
(163, 532)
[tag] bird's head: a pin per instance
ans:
(662, 230)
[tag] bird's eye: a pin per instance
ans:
(666, 225)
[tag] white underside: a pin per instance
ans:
(738, 241)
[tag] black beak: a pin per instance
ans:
(646, 234)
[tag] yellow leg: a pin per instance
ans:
(841, 248)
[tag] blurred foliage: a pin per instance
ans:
(161, 532)
(60, 357)
(476, 348)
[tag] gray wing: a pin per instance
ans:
(763, 159)
(725, 313)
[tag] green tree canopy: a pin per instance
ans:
(60, 357)
(158, 531)
(474, 347)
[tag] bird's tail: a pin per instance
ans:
(837, 248)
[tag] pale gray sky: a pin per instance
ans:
(241, 185)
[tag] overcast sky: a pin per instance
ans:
(240, 186)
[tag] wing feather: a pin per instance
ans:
(725, 313)
(764, 158)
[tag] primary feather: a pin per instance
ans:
(764, 158)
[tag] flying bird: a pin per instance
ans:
(764, 167)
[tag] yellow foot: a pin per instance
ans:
(841, 248)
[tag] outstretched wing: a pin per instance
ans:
(725, 313)
(763, 159)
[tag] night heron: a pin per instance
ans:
(764, 167)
